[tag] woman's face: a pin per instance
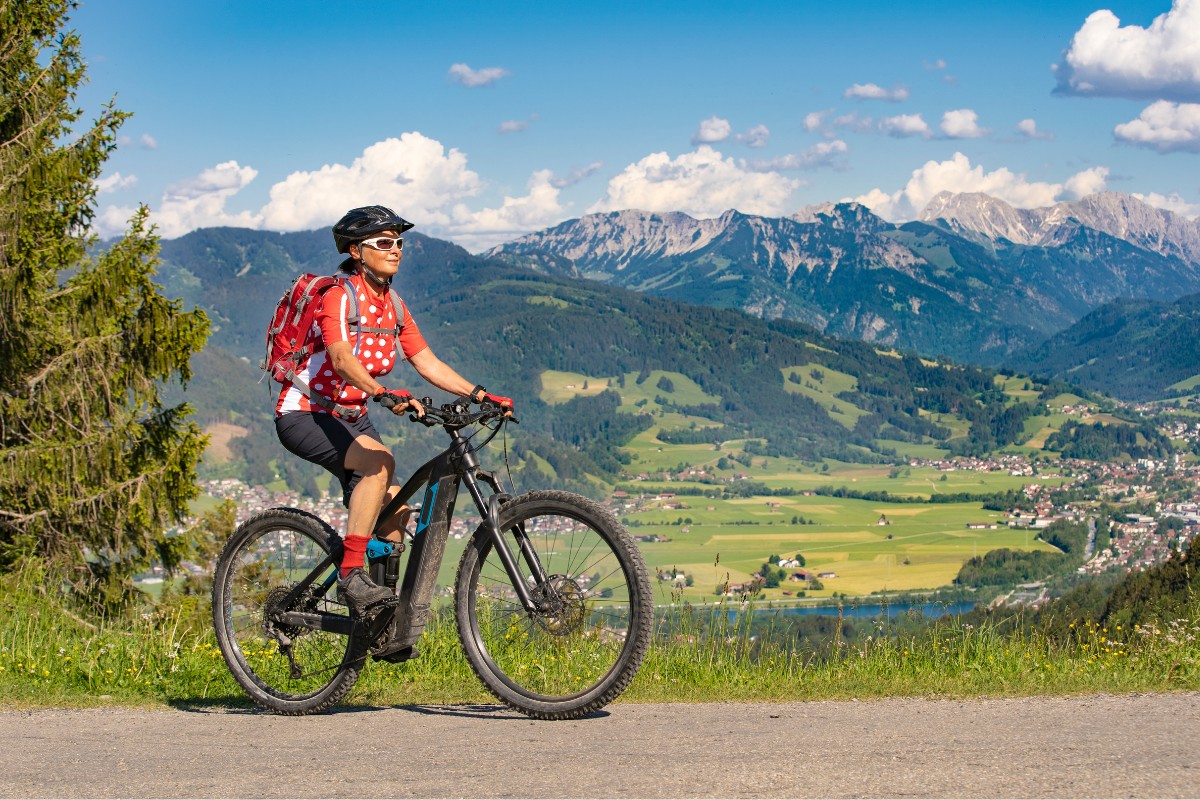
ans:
(384, 263)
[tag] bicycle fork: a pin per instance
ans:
(489, 512)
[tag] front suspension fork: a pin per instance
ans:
(489, 511)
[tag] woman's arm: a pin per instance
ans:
(440, 374)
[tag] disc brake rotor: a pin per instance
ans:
(563, 599)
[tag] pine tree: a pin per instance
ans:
(94, 467)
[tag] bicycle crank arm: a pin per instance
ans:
(333, 623)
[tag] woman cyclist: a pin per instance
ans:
(328, 424)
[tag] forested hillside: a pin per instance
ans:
(1131, 349)
(505, 326)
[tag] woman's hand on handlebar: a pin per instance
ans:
(504, 402)
(399, 402)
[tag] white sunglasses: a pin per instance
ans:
(384, 243)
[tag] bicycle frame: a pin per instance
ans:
(442, 477)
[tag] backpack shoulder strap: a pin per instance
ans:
(399, 307)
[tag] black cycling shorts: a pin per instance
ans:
(325, 439)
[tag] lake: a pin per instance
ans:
(927, 610)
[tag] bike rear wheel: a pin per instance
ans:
(585, 647)
(265, 558)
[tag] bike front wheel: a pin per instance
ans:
(584, 645)
(286, 668)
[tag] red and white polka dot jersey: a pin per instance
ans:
(376, 351)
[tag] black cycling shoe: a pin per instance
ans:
(362, 595)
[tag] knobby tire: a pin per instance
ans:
(264, 558)
(577, 657)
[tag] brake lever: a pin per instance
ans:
(488, 405)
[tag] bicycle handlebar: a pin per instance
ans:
(454, 415)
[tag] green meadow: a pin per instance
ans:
(870, 546)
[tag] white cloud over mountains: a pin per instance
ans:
(1159, 61)
(433, 185)
(701, 183)
(414, 174)
(958, 175)
(1164, 126)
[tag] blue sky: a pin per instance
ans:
(483, 121)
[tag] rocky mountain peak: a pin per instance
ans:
(1119, 215)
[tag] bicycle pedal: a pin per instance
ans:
(393, 653)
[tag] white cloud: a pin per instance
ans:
(1171, 202)
(148, 142)
(700, 183)
(871, 91)
(1029, 129)
(187, 205)
(957, 175)
(962, 123)
(1081, 184)
(479, 230)
(713, 129)
(934, 66)
(853, 122)
(905, 125)
(1165, 127)
(1162, 60)
(576, 175)
(758, 136)
(412, 172)
(821, 154)
(516, 125)
(115, 183)
(512, 126)
(813, 120)
(463, 74)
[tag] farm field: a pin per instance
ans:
(871, 546)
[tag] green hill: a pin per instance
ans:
(1132, 349)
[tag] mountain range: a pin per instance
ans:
(974, 278)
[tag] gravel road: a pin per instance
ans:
(1096, 746)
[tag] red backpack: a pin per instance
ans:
(291, 338)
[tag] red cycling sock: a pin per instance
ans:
(354, 551)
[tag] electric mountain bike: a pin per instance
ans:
(552, 598)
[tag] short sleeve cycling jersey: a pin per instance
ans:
(375, 350)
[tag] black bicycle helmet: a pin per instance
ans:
(360, 223)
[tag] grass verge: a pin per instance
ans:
(168, 657)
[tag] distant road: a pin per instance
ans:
(1097, 746)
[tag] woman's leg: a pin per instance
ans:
(373, 462)
(393, 527)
